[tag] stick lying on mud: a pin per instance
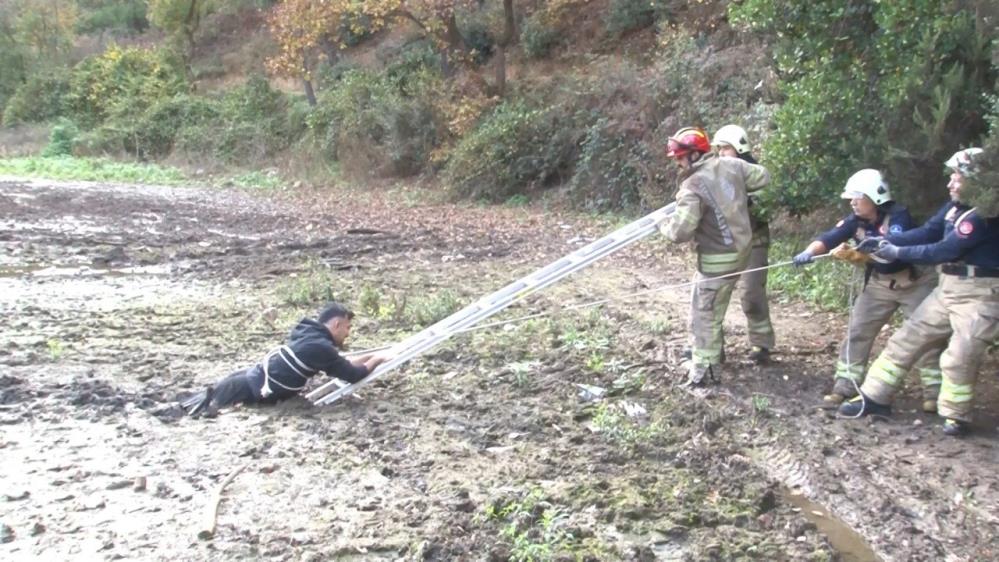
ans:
(211, 513)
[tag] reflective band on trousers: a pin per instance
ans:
(951, 392)
(719, 263)
(852, 372)
(930, 377)
(886, 372)
(293, 362)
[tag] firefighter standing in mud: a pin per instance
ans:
(963, 309)
(312, 348)
(711, 209)
(887, 286)
(731, 141)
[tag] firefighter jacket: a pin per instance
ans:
(956, 234)
(892, 219)
(712, 210)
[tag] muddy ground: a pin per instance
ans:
(118, 300)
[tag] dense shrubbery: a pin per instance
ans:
(896, 85)
(247, 123)
(380, 123)
(516, 148)
(538, 36)
(629, 15)
(41, 98)
(121, 82)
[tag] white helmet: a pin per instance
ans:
(732, 135)
(867, 182)
(963, 161)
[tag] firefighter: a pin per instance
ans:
(711, 209)
(963, 311)
(731, 141)
(887, 287)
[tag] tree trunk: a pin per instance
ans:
(310, 93)
(505, 40)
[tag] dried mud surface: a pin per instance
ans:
(118, 300)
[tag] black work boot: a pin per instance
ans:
(759, 355)
(843, 389)
(863, 406)
(955, 428)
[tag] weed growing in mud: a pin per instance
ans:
(309, 288)
(657, 326)
(56, 349)
(427, 311)
(522, 371)
(761, 404)
(617, 426)
(533, 527)
(595, 362)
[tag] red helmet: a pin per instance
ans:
(687, 140)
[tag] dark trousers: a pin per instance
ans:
(241, 387)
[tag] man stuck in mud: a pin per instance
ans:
(312, 347)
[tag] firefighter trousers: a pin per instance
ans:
(755, 305)
(962, 313)
(872, 310)
(708, 303)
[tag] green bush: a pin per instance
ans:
(122, 83)
(609, 172)
(895, 85)
(538, 37)
(479, 39)
(380, 124)
(628, 15)
(61, 139)
(516, 148)
(40, 98)
(127, 17)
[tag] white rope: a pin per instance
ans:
(849, 332)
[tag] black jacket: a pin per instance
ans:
(310, 349)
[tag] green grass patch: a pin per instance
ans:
(90, 169)
(825, 283)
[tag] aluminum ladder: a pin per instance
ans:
(501, 299)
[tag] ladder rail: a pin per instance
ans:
(499, 300)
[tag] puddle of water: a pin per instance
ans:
(850, 545)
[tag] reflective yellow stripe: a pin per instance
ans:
(760, 326)
(951, 392)
(930, 377)
(719, 263)
(682, 215)
(853, 372)
(886, 371)
(706, 356)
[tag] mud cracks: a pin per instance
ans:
(562, 438)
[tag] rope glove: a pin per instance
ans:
(870, 244)
(850, 255)
(887, 252)
(803, 258)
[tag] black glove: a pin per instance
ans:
(804, 257)
(870, 244)
(887, 252)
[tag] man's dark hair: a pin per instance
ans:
(334, 310)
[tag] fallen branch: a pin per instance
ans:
(211, 513)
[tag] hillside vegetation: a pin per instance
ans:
(501, 99)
